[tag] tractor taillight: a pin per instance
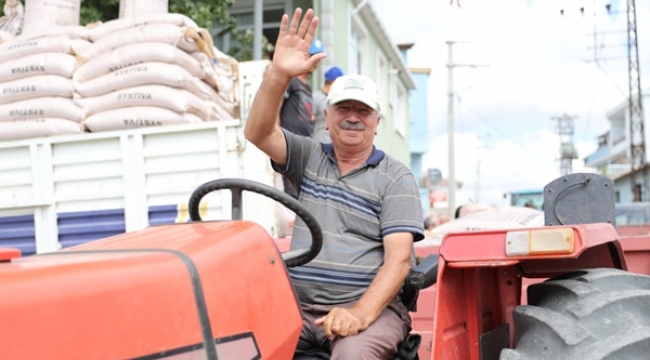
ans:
(539, 241)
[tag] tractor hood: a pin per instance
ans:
(164, 290)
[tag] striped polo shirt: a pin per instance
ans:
(355, 212)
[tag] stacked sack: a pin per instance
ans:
(36, 89)
(153, 70)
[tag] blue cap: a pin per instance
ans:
(316, 47)
(333, 73)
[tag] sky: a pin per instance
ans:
(532, 64)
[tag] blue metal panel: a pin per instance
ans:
(164, 214)
(599, 156)
(80, 227)
(77, 227)
(18, 232)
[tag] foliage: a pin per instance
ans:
(98, 10)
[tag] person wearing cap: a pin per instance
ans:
(320, 133)
(367, 204)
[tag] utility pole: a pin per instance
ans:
(477, 186)
(258, 26)
(451, 178)
(636, 121)
(568, 153)
(637, 133)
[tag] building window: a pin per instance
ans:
(382, 80)
(638, 192)
(400, 114)
(357, 46)
(245, 21)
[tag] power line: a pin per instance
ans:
(493, 127)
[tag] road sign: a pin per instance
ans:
(434, 176)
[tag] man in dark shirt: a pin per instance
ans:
(296, 113)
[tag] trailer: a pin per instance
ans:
(61, 191)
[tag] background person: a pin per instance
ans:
(296, 113)
(320, 134)
(297, 116)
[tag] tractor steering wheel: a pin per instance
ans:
(236, 186)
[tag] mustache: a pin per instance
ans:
(349, 125)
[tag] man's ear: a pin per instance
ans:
(327, 122)
(378, 120)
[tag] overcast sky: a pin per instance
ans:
(539, 66)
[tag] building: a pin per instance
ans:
(612, 157)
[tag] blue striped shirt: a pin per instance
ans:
(356, 211)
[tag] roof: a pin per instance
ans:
(371, 18)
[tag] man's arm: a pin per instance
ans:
(291, 58)
(398, 249)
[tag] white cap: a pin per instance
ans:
(354, 87)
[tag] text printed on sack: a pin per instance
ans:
(19, 89)
(26, 112)
(22, 45)
(134, 96)
(141, 122)
(28, 68)
(118, 67)
(131, 70)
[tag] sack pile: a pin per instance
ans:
(152, 69)
(36, 90)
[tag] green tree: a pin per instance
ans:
(207, 14)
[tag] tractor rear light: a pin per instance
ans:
(6, 254)
(539, 242)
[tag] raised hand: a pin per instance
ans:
(291, 57)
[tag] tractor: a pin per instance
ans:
(219, 289)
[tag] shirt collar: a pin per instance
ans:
(373, 160)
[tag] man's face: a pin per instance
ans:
(351, 123)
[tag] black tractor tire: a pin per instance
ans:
(595, 314)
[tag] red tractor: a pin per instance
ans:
(220, 290)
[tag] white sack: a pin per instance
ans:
(38, 64)
(220, 75)
(5, 36)
(12, 20)
(161, 33)
(72, 32)
(135, 54)
(35, 86)
(45, 13)
(31, 128)
(146, 74)
(112, 26)
(137, 8)
(21, 46)
(44, 107)
(135, 117)
(178, 100)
